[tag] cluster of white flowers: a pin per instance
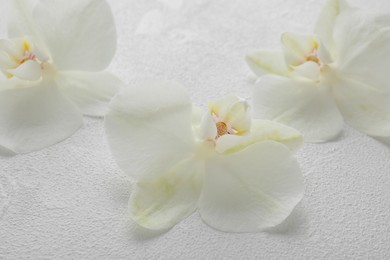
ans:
(238, 172)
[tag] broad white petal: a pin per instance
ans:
(149, 128)
(161, 202)
(371, 62)
(16, 83)
(326, 22)
(32, 118)
(207, 129)
(239, 116)
(13, 47)
(323, 54)
(381, 19)
(80, 34)
(29, 70)
(297, 47)
(267, 61)
(20, 21)
(197, 116)
(22, 24)
(91, 91)
(251, 190)
(363, 107)
(354, 32)
(261, 130)
(309, 70)
(305, 105)
(6, 62)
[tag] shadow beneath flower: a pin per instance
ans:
(4, 152)
(120, 191)
(294, 224)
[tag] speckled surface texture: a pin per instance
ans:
(69, 201)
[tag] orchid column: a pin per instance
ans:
(53, 70)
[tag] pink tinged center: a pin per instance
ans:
(313, 56)
(28, 56)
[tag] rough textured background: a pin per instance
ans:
(69, 201)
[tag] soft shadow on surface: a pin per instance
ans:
(120, 190)
(292, 225)
(4, 152)
(339, 137)
(251, 78)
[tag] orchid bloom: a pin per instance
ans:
(339, 73)
(240, 174)
(52, 70)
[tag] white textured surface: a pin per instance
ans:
(69, 201)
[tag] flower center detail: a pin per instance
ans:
(229, 116)
(313, 57)
(222, 129)
(20, 58)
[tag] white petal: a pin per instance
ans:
(309, 70)
(29, 70)
(251, 190)
(149, 128)
(261, 130)
(91, 91)
(267, 61)
(304, 105)
(326, 22)
(80, 34)
(239, 116)
(363, 107)
(297, 47)
(197, 116)
(15, 83)
(381, 19)
(13, 47)
(6, 62)
(20, 18)
(375, 55)
(160, 203)
(22, 24)
(353, 33)
(323, 54)
(35, 117)
(208, 128)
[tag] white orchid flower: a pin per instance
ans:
(52, 69)
(318, 81)
(240, 174)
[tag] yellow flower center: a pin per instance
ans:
(313, 56)
(23, 51)
(222, 129)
